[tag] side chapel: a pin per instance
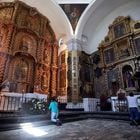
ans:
(28, 50)
(119, 54)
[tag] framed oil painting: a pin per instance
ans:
(109, 55)
(119, 30)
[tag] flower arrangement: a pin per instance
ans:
(35, 106)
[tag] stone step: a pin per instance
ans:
(13, 126)
(8, 123)
(24, 118)
(101, 115)
(96, 114)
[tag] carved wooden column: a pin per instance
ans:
(39, 70)
(6, 34)
(2, 66)
(49, 48)
(9, 35)
(37, 84)
(54, 70)
(2, 53)
(4, 37)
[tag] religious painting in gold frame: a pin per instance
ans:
(109, 55)
(119, 30)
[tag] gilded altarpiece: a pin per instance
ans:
(28, 50)
(119, 52)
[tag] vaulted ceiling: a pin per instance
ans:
(90, 21)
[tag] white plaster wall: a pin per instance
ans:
(132, 9)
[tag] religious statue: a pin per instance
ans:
(46, 55)
(129, 79)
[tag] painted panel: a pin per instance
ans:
(73, 12)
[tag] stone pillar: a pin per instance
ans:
(74, 50)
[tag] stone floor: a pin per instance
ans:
(90, 129)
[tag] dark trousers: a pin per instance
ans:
(134, 114)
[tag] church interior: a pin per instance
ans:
(72, 49)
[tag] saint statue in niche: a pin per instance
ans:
(128, 79)
(23, 46)
(46, 55)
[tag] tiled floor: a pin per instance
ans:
(90, 129)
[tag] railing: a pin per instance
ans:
(10, 103)
(13, 104)
(17, 104)
(120, 105)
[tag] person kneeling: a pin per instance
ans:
(54, 111)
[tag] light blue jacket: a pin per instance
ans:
(53, 107)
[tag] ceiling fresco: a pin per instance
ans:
(73, 12)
